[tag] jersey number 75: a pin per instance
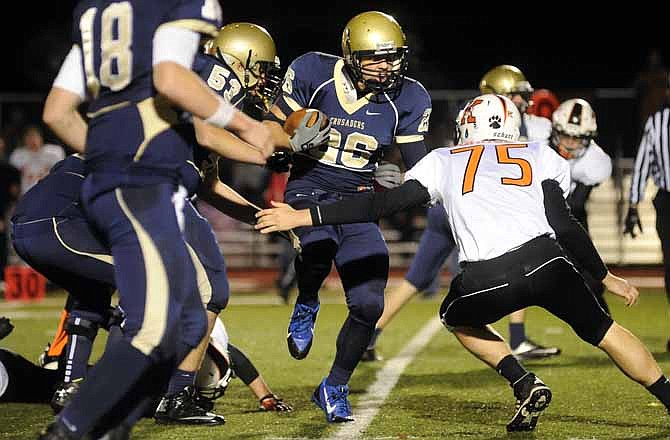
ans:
(502, 153)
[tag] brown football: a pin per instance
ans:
(293, 120)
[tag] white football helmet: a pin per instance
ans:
(214, 374)
(488, 117)
(575, 119)
(457, 131)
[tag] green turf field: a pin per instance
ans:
(444, 392)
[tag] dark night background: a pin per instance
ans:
(568, 52)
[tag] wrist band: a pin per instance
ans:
(223, 115)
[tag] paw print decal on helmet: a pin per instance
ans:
(495, 122)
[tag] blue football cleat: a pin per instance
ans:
(301, 330)
(333, 401)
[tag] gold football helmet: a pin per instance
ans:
(509, 81)
(250, 51)
(375, 37)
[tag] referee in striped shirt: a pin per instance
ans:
(653, 158)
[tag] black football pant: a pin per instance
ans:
(535, 274)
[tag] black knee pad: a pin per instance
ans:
(82, 327)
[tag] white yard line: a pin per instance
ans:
(34, 314)
(370, 403)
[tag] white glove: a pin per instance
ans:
(388, 175)
(305, 138)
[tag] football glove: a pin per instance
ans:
(305, 138)
(272, 402)
(279, 162)
(632, 220)
(388, 175)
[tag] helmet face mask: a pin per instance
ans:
(250, 52)
(266, 82)
(375, 54)
(573, 128)
(570, 147)
(488, 118)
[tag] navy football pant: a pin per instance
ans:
(361, 258)
(153, 269)
(70, 254)
(154, 275)
(209, 264)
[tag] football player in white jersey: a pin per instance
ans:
(436, 243)
(505, 202)
(573, 128)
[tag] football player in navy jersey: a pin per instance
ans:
(132, 61)
(240, 64)
(371, 106)
(33, 225)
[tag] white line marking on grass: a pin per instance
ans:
(34, 314)
(369, 404)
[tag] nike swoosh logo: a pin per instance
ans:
(367, 112)
(329, 408)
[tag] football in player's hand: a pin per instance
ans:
(294, 119)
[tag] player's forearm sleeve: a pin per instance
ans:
(370, 207)
(242, 365)
(569, 233)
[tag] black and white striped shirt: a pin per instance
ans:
(653, 155)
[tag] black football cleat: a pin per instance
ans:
(6, 327)
(532, 397)
(184, 408)
(63, 394)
